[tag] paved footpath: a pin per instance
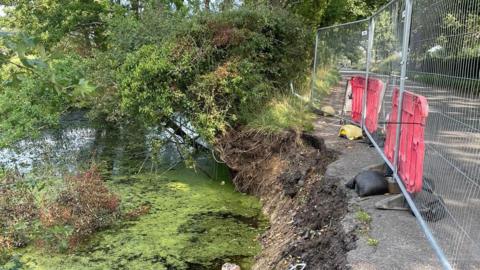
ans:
(401, 243)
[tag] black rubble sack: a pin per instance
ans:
(368, 183)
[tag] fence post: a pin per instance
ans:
(314, 72)
(405, 49)
(403, 77)
(371, 30)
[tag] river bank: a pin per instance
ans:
(305, 208)
(195, 221)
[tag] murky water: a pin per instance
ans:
(77, 140)
(196, 221)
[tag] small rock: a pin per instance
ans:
(328, 111)
(306, 234)
(230, 266)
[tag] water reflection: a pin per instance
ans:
(120, 150)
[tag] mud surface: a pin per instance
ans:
(305, 208)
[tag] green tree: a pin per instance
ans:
(77, 22)
(36, 87)
(213, 68)
(318, 13)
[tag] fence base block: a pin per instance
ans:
(395, 202)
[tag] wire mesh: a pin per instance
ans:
(384, 66)
(341, 52)
(443, 66)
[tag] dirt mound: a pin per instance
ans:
(305, 209)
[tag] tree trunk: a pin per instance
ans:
(207, 5)
(136, 7)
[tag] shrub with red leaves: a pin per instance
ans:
(84, 206)
(17, 211)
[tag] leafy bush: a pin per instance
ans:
(18, 210)
(84, 206)
(214, 68)
(210, 68)
(78, 22)
(36, 88)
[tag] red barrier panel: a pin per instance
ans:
(389, 146)
(375, 88)
(358, 86)
(412, 145)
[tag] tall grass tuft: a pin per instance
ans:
(325, 79)
(282, 113)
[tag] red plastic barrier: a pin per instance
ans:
(389, 146)
(358, 86)
(375, 88)
(412, 145)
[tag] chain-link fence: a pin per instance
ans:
(412, 73)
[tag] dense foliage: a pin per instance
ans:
(148, 61)
(74, 23)
(213, 69)
(329, 12)
(37, 87)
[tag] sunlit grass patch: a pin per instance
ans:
(283, 113)
(325, 79)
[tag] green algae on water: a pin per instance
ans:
(194, 223)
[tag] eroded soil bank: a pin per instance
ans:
(305, 208)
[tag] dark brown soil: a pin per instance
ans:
(305, 208)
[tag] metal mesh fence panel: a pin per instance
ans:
(384, 66)
(424, 55)
(341, 51)
(444, 67)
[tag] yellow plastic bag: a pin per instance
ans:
(350, 132)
